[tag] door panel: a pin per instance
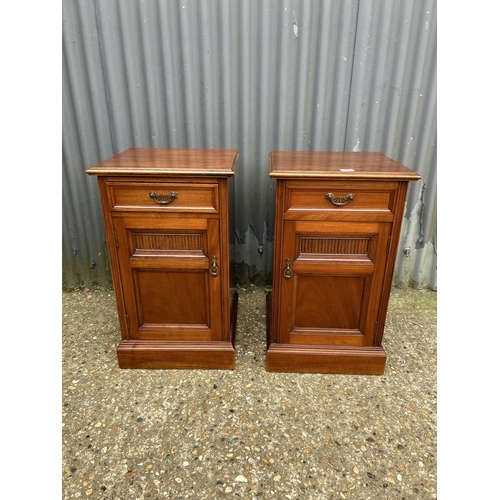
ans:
(333, 292)
(332, 302)
(170, 292)
(172, 304)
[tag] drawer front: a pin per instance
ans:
(164, 196)
(339, 197)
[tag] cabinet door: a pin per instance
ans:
(170, 272)
(331, 279)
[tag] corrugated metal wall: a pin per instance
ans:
(255, 75)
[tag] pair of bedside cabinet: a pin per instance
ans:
(169, 221)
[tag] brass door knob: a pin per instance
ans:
(288, 269)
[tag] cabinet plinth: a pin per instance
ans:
(337, 224)
(168, 216)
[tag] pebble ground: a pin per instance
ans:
(247, 433)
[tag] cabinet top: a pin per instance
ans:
(169, 161)
(339, 165)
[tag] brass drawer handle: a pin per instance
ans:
(288, 269)
(339, 200)
(162, 199)
(214, 268)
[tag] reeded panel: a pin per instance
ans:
(334, 246)
(164, 243)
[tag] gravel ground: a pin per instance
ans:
(247, 433)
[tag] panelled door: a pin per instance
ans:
(171, 277)
(331, 277)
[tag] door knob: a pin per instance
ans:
(214, 268)
(288, 269)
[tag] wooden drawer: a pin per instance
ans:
(334, 197)
(164, 196)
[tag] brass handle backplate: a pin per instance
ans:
(288, 269)
(162, 199)
(339, 200)
(214, 268)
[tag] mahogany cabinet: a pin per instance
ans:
(337, 225)
(168, 217)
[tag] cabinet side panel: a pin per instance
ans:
(277, 267)
(225, 264)
(399, 207)
(231, 235)
(231, 242)
(113, 258)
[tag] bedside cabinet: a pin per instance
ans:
(168, 216)
(337, 225)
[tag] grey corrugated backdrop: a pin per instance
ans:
(325, 75)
